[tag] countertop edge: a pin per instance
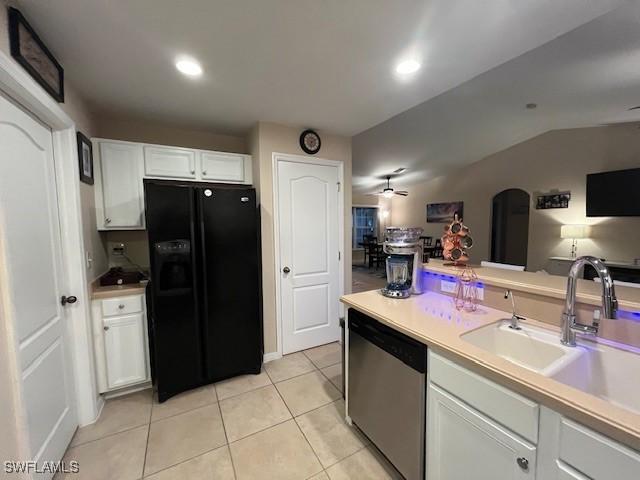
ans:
(617, 430)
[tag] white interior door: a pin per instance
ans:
(309, 239)
(29, 209)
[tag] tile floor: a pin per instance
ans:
(285, 423)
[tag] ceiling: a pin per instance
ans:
(587, 77)
(326, 64)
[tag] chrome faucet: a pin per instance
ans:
(609, 301)
(515, 319)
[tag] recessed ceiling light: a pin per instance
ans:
(407, 67)
(189, 67)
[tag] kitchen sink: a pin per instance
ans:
(533, 348)
(606, 372)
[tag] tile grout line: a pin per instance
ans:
(187, 460)
(226, 437)
(226, 444)
(295, 422)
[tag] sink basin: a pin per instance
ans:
(533, 348)
(606, 372)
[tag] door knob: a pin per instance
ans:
(523, 463)
(286, 269)
(70, 299)
(121, 306)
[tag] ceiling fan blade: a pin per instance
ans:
(372, 194)
(402, 193)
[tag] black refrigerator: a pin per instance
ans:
(204, 294)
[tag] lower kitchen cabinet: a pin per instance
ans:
(120, 342)
(477, 429)
(463, 444)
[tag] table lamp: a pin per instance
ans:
(575, 232)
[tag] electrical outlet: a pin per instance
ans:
(118, 249)
(449, 286)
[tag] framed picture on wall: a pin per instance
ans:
(85, 159)
(31, 52)
(444, 212)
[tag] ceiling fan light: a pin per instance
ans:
(387, 193)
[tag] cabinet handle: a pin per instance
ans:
(523, 463)
(204, 172)
(121, 306)
(105, 328)
(107, 220)
(193, 172)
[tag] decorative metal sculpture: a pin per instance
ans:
(455, 242)
(467, 290)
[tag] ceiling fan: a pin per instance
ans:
(389, 192)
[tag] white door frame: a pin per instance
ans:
(276, 229)
(22, 89)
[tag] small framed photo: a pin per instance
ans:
(34, 56)
(85, 158)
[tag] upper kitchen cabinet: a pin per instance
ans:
(121, 167)
(225, 167)
(118, 186)
(169, 162)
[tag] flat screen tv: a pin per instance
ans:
(614, 194)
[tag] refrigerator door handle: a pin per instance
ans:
(204, 314)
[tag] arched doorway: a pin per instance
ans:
(510, 227)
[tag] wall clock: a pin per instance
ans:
(310, 142)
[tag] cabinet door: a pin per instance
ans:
(169, 162)
(223, 167)
(125, 350)
(120, 166)
(462, 444)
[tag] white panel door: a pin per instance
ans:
(463, 444)
(309, 237)
(30, 227)
(121, 165)
(169, 162)
(223, 167)
(124, 344)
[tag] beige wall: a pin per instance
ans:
(150, 131)
(557, 160)
(265, 139)
(78, 110)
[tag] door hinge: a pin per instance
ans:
(338, 186)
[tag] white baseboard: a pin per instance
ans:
(271, 356)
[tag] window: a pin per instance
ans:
(365, 222)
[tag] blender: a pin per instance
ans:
(404, 254)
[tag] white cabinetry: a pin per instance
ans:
(224, 167)
(477, 428)
(121, 342)
(121, 167)
(169, 162)
(462, 443)
(481, 430)
(569, 450)
(118, 186)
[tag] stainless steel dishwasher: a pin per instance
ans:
(387, 391)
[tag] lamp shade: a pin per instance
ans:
(575, 231)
